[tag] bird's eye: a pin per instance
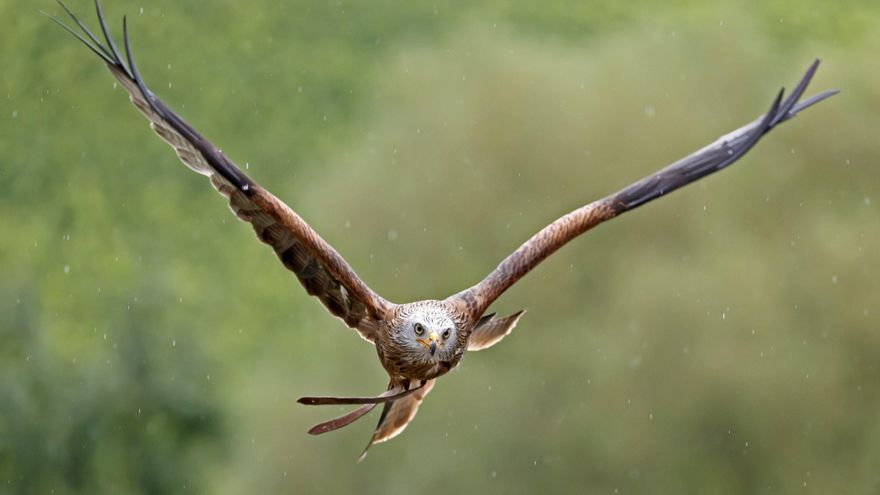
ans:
(446, 333)
(420, 330)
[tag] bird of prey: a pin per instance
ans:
(420, 341)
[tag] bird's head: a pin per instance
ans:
(429, 332)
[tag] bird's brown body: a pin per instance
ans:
(420, 341)
(404, 363)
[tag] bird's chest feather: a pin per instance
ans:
(404, 362)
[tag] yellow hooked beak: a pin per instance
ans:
(430, 343)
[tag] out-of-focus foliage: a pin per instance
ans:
(725, 339)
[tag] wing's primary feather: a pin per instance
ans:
(320, 269)
(727, 149)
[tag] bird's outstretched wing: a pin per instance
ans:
(322, 271)
(717, 155)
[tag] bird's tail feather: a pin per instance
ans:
(396, 415)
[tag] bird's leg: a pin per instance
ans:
(386, 396)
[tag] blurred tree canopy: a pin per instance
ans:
(723, 340)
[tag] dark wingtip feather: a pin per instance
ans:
(127, 44)
(112, 56)
(85, 30)
(768, 119)
(811, 101)
(796, 93)
(109, 39)
(79, 37)
(704, 163)
(135, 75)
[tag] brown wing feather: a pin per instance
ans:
(717, 155)
(320, 269)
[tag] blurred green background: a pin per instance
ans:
(721, 340)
